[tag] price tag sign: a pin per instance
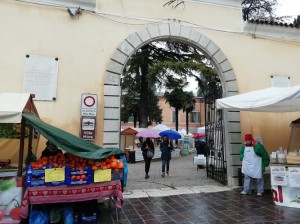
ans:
(102, 175)
(55, 174)
(274, 155)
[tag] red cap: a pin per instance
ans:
(248, 137)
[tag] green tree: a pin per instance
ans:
(175, 95)
(135, 78)
(157, 62)
(258, 9)
(130, 106)
(153, 109)
(208, 82)
(188, 106)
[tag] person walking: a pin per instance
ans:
(254, 159)
(200, 147)
(146, 147)
(166, 147)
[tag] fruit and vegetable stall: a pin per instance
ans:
(81, 172)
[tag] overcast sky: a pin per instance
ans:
(284, 8)
(288, 8)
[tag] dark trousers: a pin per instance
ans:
(147, 163)
(165, 165)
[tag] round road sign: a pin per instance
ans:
(89, 101)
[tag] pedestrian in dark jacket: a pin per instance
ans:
(50, 150)
(200, 147)
(166, 147)
(146, 146)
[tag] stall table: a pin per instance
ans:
(63, 193)
(285, 180)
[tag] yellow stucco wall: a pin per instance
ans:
(84, 45)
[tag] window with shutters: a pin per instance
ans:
(195, 117)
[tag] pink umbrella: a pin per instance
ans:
(198, 135)
(147, 133)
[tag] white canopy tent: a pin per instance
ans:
(161, 127)
(11, 106)
(273, 99)
(201, 130)
(182, 132)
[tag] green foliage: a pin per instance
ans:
(258, 9)
(130, 105)
(12, 131)
(175, 94)
(189, 103)
(161, 64)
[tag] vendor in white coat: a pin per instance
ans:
(254, 159)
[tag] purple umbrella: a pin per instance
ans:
(147, 133)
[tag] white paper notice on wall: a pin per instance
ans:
(280, 81)
(41, 77)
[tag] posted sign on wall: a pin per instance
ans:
(88, 128)
(89, 105)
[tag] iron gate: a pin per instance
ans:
(215, 145)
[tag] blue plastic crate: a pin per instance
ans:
(71, 182)
(117, 174)
(73, 171)
(34, 183)
(89, 218)
(34, 177)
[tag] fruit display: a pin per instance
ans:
(77, 170)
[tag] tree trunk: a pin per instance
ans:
(187, 122)
(176, 118)
(144, 97)
(134, 119)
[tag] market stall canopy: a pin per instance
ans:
(161, 127)
(13, 104)
(182, 132)
(201, 130)
(132, 131)
(68, 142)
(273, 99)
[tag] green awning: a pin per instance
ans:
(68, 142)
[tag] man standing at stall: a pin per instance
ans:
(254, 159)
(50, 150)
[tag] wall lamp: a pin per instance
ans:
(74, 11)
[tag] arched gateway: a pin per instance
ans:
(172, 31)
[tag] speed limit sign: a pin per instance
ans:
(89, 104)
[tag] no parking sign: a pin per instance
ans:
(89, 104)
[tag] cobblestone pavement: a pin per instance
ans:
(183, 173)
(189, 197)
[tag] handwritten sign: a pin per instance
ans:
(55, 174)
(278, 175)
(102, 175)
(294, 174)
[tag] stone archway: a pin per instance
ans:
(176, 31)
